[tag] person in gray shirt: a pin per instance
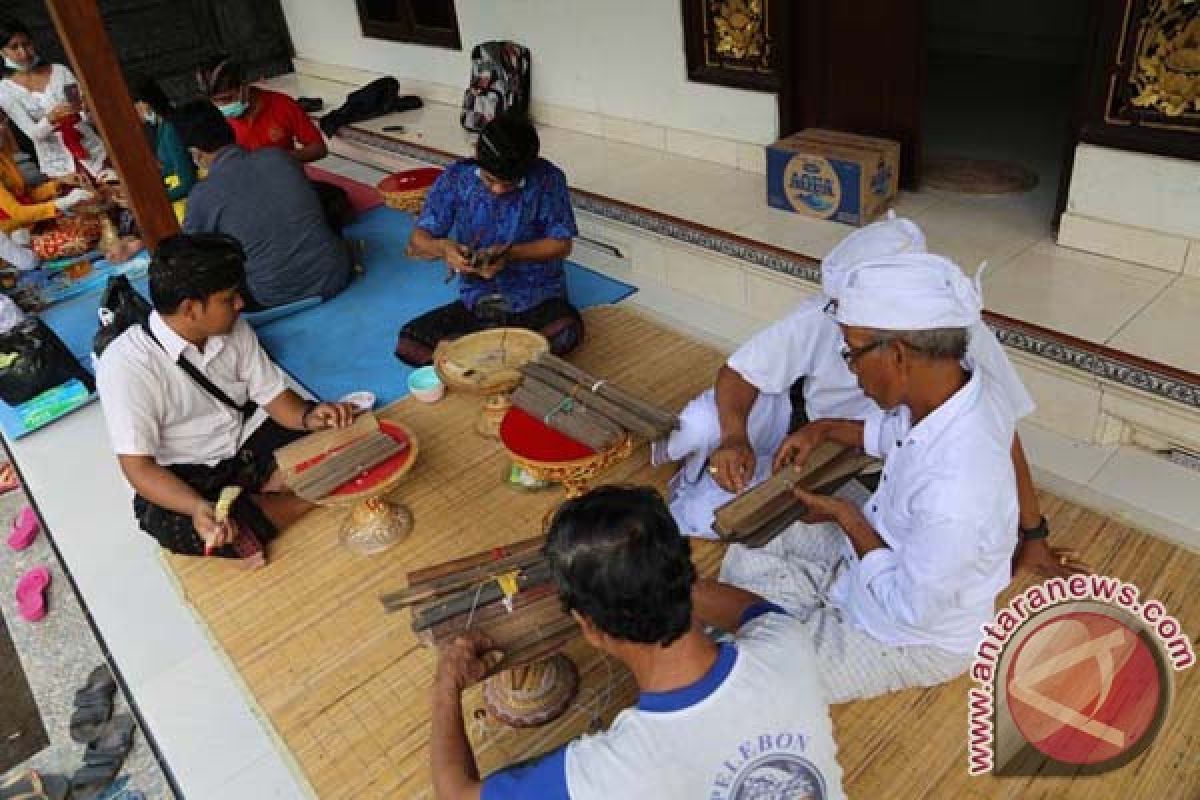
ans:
(264, 200)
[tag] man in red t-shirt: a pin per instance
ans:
(262, 118)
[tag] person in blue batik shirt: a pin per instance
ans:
(514, 209)
(731, 721)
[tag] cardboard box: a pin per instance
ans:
(827, 174)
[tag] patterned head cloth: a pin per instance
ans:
(909, 292)
(887, 237)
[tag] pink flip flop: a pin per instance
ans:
(24, 529)
(31, 594)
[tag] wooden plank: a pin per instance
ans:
(83, 36)
(466, 562)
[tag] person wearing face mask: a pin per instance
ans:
(178, 169)
(43, 101)
(262, 119)
(259, 117)
(263, 200)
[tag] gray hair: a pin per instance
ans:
(935, 342)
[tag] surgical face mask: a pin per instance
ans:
(151, 118)
(8, 62)
(234, 110)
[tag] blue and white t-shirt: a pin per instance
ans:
(757, 725)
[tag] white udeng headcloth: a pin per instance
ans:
(887, 237)
(909, 292)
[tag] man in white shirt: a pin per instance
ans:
(791, 372)
(746, 718)
(895, 592)
(184, 397)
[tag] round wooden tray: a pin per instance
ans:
(382, 478)
(488, 362)
(406, 190)
(551, 456)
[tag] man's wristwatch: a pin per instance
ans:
(1039, 531)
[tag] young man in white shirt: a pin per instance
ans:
(895, 592)
(184, 397)
(791, 372)
(741, 719)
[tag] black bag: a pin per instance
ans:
(380, 96)
(499, 83)
(120, 307)
(42, 362)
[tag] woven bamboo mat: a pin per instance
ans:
(345, 687)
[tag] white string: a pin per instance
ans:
(600, 698)
(596, 386)
(474, 604)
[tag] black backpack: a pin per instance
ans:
(120, 307)
(499, 83)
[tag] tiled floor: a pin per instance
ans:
(191, 702)
(1097, 299)
(57, 654)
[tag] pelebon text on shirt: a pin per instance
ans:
(772, 765)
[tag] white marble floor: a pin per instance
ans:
(1101, 300)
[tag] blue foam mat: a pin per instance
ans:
(339, 346)
(347, 343)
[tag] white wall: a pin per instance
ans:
(1135, 207)
(1145, 191)
(621, 58)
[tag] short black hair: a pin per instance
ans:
(144, 89)
(202, 126)
(194, 267)
(618, 559)
(222, 74)
(10, 28)
(508, 146)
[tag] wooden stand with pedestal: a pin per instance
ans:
(489, 363)
(354, 469)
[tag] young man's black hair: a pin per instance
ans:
(508, 147)
(618, 559)
(202, 126)
(194, 267)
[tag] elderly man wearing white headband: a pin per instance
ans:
(736, 428)
(894, 592)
